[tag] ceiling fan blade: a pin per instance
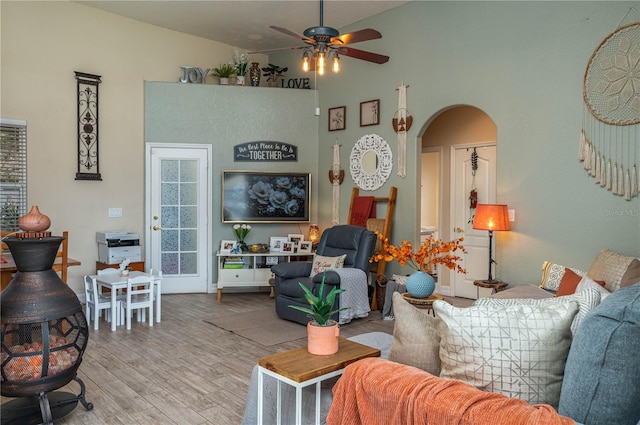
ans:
(277, 49)
(363, 55)
(356, 36)
(293, 34)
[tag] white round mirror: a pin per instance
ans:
(371, 162)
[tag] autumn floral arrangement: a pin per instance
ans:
(431, 252)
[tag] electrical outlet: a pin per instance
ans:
(512, 215)
(115, 212)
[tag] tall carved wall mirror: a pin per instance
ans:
(370, 162)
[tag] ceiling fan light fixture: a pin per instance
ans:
(336, 62)
(305, 61)
(322, 60)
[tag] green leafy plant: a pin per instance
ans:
(321, 308)
(273, 72)
(225, 70)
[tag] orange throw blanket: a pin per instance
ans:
(376, 391)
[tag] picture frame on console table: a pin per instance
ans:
(304, 247)
(289, 247)
(295, 238)
(275, 243)
(226, 246)
(266, 197)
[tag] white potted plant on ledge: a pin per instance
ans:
(322, 331)
(240, 63)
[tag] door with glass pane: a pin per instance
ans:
(178, 211)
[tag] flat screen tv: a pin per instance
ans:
(265, 197)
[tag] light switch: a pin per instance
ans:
(115, 212)
(512, 215)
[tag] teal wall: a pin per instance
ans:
(225, 116)
(522, 63)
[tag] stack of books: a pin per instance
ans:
(233, 263)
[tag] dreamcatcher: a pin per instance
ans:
(473, 195)
(610, 133)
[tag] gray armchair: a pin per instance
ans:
(356, 242)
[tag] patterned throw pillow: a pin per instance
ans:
(322, 263)
(610, 267)
(552, 275)
(416, 340)
(519, 351)
(587, 300)
(632, 275)
(587, 282)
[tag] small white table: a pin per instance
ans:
(115, 282)
(300, 369)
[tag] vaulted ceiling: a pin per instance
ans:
(245, 24)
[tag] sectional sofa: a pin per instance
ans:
(522, 356)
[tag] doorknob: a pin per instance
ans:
(157, 228)
(458, 230)
(155, 217)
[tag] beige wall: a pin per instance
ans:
(43, 43)
(456, 126)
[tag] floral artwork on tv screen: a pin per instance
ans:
(259, 196)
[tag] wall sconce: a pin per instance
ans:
(491, 217)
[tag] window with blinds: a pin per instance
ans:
(13, 173)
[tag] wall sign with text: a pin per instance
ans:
(265, 151)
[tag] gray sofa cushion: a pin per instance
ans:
(602, 374)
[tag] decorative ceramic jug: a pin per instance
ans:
(34, 221)
(420, 285)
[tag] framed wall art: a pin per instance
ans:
(337, 118)
(370, 112)
(265, 197)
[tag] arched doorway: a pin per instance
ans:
(448, 140)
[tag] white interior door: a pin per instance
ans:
(178, 212)
(476, 242)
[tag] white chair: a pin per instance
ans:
(157, 293)
(96, 302)
(139, 297)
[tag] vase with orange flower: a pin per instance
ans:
(432, 252)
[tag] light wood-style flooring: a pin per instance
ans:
(180, 371)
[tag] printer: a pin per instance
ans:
(113, 247)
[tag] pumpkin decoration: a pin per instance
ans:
(34, 221)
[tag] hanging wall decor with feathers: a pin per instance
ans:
(611, 122)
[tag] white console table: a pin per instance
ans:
(255, 271)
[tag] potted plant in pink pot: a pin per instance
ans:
(322, 331)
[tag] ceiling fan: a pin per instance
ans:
(323, 43)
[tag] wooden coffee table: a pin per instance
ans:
(425, 303)
(300, 369)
